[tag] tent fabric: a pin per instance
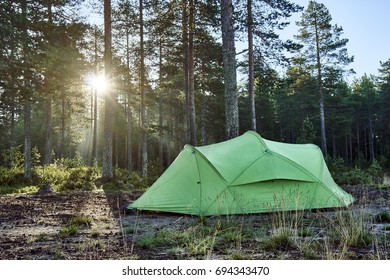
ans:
(247, 174)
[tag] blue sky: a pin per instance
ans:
(366, 24)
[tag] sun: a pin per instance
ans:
(98, 82)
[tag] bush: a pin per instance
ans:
(155, 169)
(355, 176)
(11, 177)
(52, 175)
(75, 162)
(344, 175)
(375, 173)
(81, 179)
(126, 180)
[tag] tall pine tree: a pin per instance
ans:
(323, 50)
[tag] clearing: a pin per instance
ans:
(94, 225)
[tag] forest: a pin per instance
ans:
(98, 98)
(131, 91)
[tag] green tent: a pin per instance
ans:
(247, 174)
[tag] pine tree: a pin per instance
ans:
(229, 67)
(108, 170)
(323, 50)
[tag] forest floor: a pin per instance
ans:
(94, 225)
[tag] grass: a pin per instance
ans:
(279, 241)
(69, 230)
(74, 225)
(80, 221)
(382, 217)
(352, 227)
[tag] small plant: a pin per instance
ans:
(280, 241)
(147, 241)
(80, 221)
(74, 225)
(351, 227)
(95, 233)
(382, 217)
(232, 236)
(201, 245)
(41, 238)
(386, 228)
(305, 232)
(59, 255)
(234, 254)
(69, 231)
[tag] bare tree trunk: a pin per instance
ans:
(371, 140)
(94, 154)
(27, 101)
(12, 121)
(108, 170)
(358, 138)
(95, 124)
(321, 91)
(191, 78)
(129, 144)
(185, 68)
(251, 78)
(160, 101)
(144, 151)
(27, 137)
(48, 113)
(48, 123)
(229, 67)
(61, 140)
(334, 143)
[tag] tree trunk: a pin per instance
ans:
(144, 151)
(358, 138)
(321, 90)
(191, 78)
(129, 112)
(27, 137)
(95, 124)
(334, 143)
(371, 140)
(185, 68)
(251, 85)
(160, 101)
(27, 101)
(108, 170)
(61, 136)
(229, 69)
(48, 123)
(94, 154)
(12, 139)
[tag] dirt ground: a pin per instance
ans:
(31, 225)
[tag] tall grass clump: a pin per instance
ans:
(350, 228)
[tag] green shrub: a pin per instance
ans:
(155, 169)
(81, 179)
(375, 173)
(125, 180)
(75, 162)
(11, 177)
(53, 175)
(13, 157)
(355, 176)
